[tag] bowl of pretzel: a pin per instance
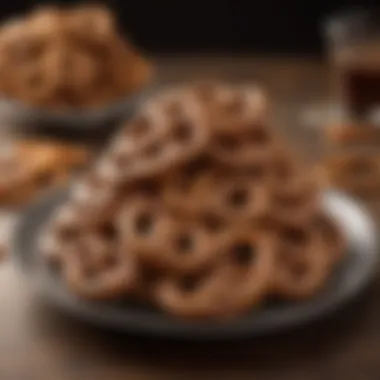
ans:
(69, 67)
(198, 218)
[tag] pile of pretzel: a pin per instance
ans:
(68, 58)
(355, 172)
(29, 167)
(352, 160)
(198, 208)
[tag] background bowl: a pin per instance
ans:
(87, 125)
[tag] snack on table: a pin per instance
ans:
(63, 58)
(30, 166)
(356, 172)
(198, 208)
(353, 134)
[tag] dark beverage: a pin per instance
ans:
(354, 49)
(357, 71)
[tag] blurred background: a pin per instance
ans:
(270, 26)
(278, 44)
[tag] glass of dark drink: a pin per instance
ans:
(353, 42)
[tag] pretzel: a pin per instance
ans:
(237, 109)
(294, 204)
(84, 74)
(248, 262)
(67, 58)
(30, 167)
(50, 245)
(16, 46)
(237, 283)
(27, 51)
(241, 200)
(144, 127)
(127, 70)
(189, 191)
(243, 150)
(207, 92)
(331, 235)
(184, 138)
(44, 24)
(302, 264)
(94, 200)
(188, 248)
(144, 225)
(356, 172)
(191, 296)
(90, 24)
(98, 270)
(352, 134)
(283, 168)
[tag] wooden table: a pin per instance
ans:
(38, 343)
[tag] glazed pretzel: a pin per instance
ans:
(144, 225)
(31, 167)
(97, 269)
(37, 81)
(302, 265)
(190, 296)
(237, 283)
(283, 168)
(68, 58)
(189, 247)
(183, 139)
(332, 237)
(248, 262)
(93, 202)
(90, 24)
(296, 203)
(239, 200)
(356, 172)
(237, 110)
(187, 192)
(83, 74)
(244, 149)
(50, 244)
(228, 198)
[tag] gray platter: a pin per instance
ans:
(348, 280)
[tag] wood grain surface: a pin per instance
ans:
(37, 342)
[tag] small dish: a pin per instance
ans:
(354, 273)
(75, 123)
